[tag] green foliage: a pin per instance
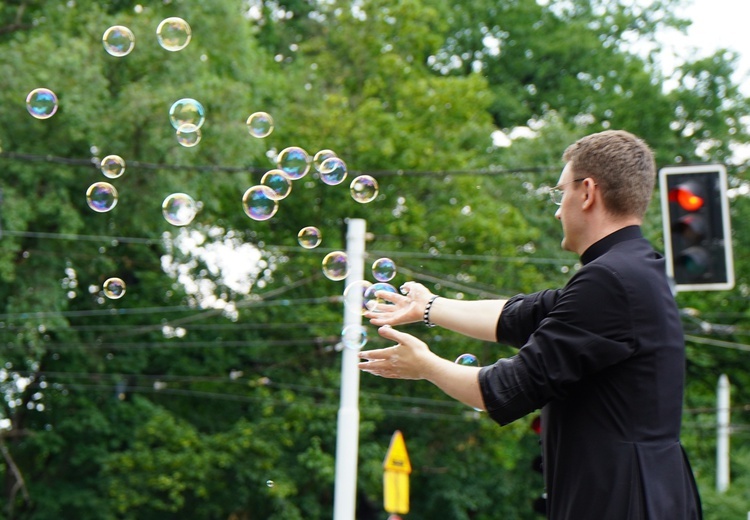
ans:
(202, 396)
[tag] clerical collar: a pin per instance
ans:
(597, 249)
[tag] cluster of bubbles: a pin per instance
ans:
(259, 202)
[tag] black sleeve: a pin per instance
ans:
(521, 316)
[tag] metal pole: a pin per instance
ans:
(347, 435)
(722, 434)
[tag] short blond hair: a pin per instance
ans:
(622, 165)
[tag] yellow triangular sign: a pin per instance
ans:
(397, 459)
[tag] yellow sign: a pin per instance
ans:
(396, 477)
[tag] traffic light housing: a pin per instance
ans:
(697, 233)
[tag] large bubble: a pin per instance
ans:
(278, 181)
(187, 111)
(41, 103)
(101, 197)
(335, 266)
(333, 171)
(384, 269)
(354, 295)
(188, 135)
(259, 202)
(179, 209)
(118, 41)
(294, 161)
(321, 156)
(260, 124)
(354, 337)
(173, 34)
(364, 189)
(372, 301)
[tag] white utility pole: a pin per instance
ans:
(722, 434)
(347, 435)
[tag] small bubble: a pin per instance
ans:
(118, 41)
(335, 266)
(309, 237)
(321, 156)
(188, 135)
(364, 189)
(173, 34)
(113, 166)
(260, 124)
(469, 360)
(179, 209)
(384, 269)
(41, 103)
(354, 337)
(354, 294)
(259, 202)
(101, 197)
(114, 288)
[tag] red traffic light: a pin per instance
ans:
(688, 196)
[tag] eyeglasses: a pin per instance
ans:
(556, 194)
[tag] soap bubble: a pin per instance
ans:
(113, 166)
(118, 41)
(101, 197)
(188, 135)
(354, 337)
(294, 161)
(335, 266)
(321, 156)
(114, 288)
(309, 237)
(364, 189)
(354, 294)
(41, 103)
(278, 181)
(333, 171)
(173, 34)
(469, 360)
(260, 124)
(179, 209)
(372, 300)
(187, 111)
(383, 269)
(259, 202)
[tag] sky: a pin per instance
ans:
(716, 24)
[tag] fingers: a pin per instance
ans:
(397, 336)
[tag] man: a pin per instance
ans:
(602, 357)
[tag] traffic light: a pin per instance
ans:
(697, 234)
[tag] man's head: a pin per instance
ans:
(622, 166)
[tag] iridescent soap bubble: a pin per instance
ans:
(259, 202)
(41, 103)
(364, 189)
(294, 161)
(113, 166)
(187, 111)
(354, 294)
(114, 288)
(333, 171)
(179, 209)
(118, 41)
(383, 269)
(469, 360)
(101, 197)
(188, 135)
(173, 34)
(321, 156)
(354, 337)
(372, 300)
(335, 266)
(260, 124)
(278, 181)
(309, 237)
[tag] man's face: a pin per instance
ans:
(568, 211)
